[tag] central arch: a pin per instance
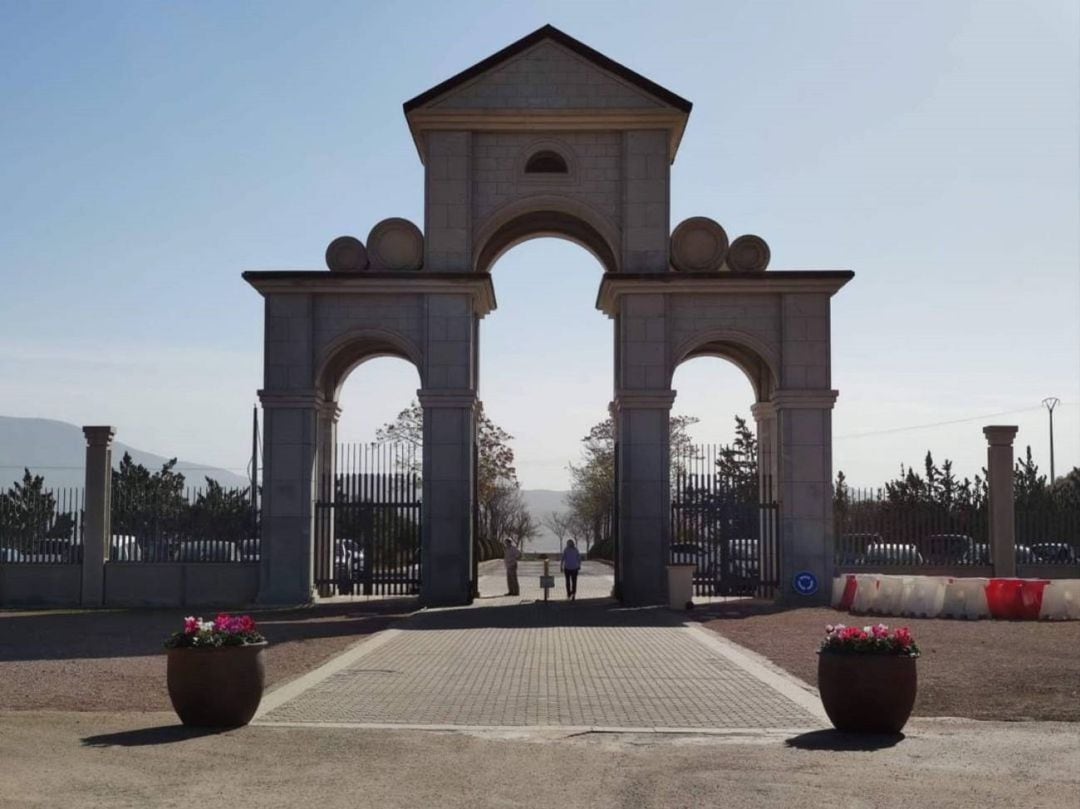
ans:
(544, 215)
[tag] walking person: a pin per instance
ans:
(570, 564)
(510, 558)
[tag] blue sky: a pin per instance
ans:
(153, 151)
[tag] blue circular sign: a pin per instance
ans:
(805, 583)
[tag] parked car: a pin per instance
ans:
(54, 552)
(207, 550)
(348, 564)
(947, 549)
(1054, 553)
(10, 556)
(125, 548)
(249, 550)
(979, 554)
(851, 546)
(744, 558)
(891, 553)
(1024, 555)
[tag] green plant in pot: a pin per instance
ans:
(867, 677)
(215, 671)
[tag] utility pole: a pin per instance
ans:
(1050, 403)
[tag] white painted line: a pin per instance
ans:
(293, 689)
(568, 730)
(764, 670)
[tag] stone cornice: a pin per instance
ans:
(306, 282)
(796, 399)
(636, 399)
(1000, 435)
(99, 436)
(615, 285)
(560, 120)
(300, 399)
(457, 398)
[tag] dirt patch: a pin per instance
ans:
(114, 661)
(1007, 670)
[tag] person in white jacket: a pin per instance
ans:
(570, 564)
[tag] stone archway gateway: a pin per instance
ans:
(546, 137)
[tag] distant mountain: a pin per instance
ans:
(56, 450)
(540, 503)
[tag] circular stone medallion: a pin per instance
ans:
(748, 254)
(346, 254)
(396, 244)
(698, 244)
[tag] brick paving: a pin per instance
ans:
(516, 663)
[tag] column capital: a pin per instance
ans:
(763, 410)
(643, 399)
(448, 397)
(1000, 435)
(99, 436)
(299, 399)
(800, 399)
(329, 410)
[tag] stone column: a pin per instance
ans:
(765, 416)
(329, 413)
(1002, 506)
(289, 456)
(804, 489)
(447, 522)
(642, 430)
(97, 520)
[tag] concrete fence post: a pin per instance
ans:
(97, 517)
(1002, 506)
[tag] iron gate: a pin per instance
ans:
(725, 528)
(367, 524)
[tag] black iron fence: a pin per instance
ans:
(41, 526)
(1048, 535)
(725, 523)
(367, 522)
(872, 530)
(205, 524)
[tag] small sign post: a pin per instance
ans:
(547, 581)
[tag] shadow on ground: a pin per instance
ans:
(89, 634)
(835, 740)
(143, 737)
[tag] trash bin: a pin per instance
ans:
(680, 585)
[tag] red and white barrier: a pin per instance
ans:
(954, 597)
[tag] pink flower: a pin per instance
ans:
(191, 625)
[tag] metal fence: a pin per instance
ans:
(871, 530)
(1048, 536)
(367, 522)
(724, 525)
(41, 526)
(204, 524)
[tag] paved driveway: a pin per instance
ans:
(518, 662)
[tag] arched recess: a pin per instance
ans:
(539, 216)
(751, 355)
(344, 353)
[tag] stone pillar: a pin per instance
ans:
(804, 489)
(329, 413)
(642, 430)
(447, 522)
(97, 520)
(1002, 506)
(765, 416)
(289, 456)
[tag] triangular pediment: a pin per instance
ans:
(547, 70)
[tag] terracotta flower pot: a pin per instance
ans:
(216, 687)
(867, 693)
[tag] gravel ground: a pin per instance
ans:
(114, 661)
(1007, 670)
(145, 760)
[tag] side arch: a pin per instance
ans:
(546, 215)
(749, 353)
(340, 356)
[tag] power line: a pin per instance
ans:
(937, 424)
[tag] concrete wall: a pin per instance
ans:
(170, 584)
(40, 585)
